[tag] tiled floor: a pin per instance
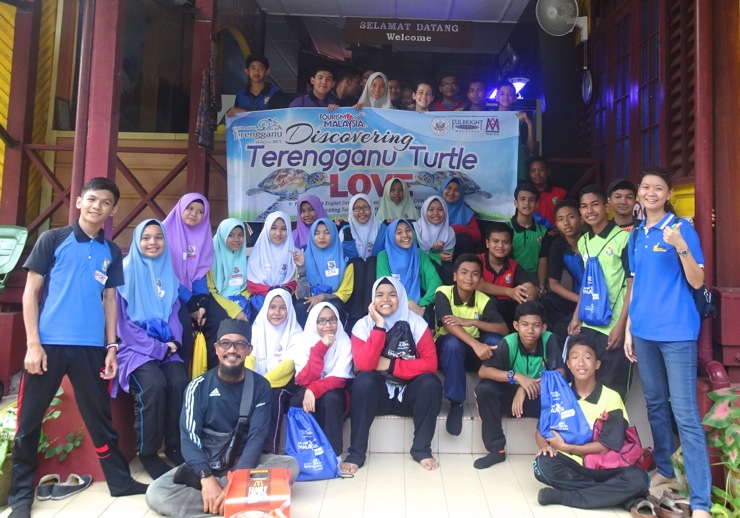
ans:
(389, 486)
(392, 485)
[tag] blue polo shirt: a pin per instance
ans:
(662, 307)
(76, 270)
(247, 101)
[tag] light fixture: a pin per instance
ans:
(519, 83)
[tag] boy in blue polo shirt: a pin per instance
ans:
(76, 271)
(258, 92)
(606, 241)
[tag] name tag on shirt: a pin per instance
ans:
(101, 277)
(236, 280)
(331, 270)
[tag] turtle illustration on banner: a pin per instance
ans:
(287, 184)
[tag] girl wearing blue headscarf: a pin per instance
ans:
(149, 366)
(227, 280)
(403, 260)
(462, 217)
(323, 272)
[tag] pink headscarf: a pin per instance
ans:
(191, 248)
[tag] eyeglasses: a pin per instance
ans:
(239, 345)
(324, 321)
(363, 208)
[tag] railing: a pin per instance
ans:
(61, 193)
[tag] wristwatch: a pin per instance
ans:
(205, 473)
(685, 251)
(510, 375)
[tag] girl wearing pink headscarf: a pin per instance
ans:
(190, 242)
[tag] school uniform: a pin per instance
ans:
(409, 387)
(455, 356)
(76, 269)
(548, 198)
(494, 398)
(272, 357)
(147, 368)
(511, 275)
(527, 244)
(559, 311)
(584, 488)
(246, 100)
(325, 371)
(610, 246)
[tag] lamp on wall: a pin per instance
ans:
(518, 82)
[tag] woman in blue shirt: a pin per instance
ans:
(666, 262)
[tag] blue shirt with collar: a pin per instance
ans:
(76, 269)
(662, 307)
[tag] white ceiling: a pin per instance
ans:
(495, 11)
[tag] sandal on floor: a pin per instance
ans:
(73, 485)
(46, 483)
(642, 508)
(668, 501)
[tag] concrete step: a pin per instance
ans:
(393, 434)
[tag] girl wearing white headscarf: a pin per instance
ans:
(323, 364)
(396, 360)
(274, 334)
(435, 235)
(271, 261)
(376, 93)
(362, 236)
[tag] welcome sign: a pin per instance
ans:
(274, 157)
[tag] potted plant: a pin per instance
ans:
(723, 421)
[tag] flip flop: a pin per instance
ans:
(669, 500)
(73, 485)
(642, 508)
(46, 484)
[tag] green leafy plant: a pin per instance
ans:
(723, 420)
(49, 447)
(7, 431)
(71, 441)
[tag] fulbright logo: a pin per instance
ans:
(440, 126)
(467, 125)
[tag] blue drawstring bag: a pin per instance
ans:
(560, 411)
(306, 442)
(594, 309)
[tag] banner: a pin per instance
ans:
(274, 157)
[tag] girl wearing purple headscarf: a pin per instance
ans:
(309, 210)
(190, 242)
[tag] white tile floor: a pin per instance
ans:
(391, 485)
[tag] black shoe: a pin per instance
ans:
(73, 485)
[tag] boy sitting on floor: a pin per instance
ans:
(560, 465)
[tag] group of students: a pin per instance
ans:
(383, 300)
(387, 299)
